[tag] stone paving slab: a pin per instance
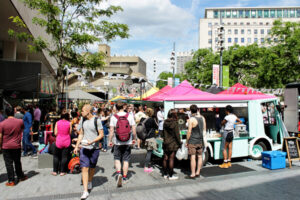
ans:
(259, 184)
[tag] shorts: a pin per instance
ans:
(89, 157)
(122, 152)
(226, 137)
(195, 149)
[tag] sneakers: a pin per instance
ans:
(145, 169)
(90, 185)
(119, 180)
(124, 180)
(166, 176)
(229, 164)
(12, 183)
(34, 155)
(224, 165)
(171, 178)
(150, 169)
(84, 195)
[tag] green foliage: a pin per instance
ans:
(269, 66)
(73, 25)
(163, 78)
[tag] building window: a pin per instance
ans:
(236, 40)
(255, 31)
(269, 31)
(249, 40)
(234, 14)
(298, 12)
(235, 23)
(247, 13)
(272, 13)
(222, 13)
(242, 31)
(216, 39)
(228, 23)
(285, 13)
(242, 40)
(279, 13)
(269, 39)
(228, 14)
(261, 23)
(216, 14)
(242, 23)
(262, 40)
(209, 24)
(259, 14)
(209, 41)
(267, 23)
(266, 13)
(229, 40)
(236, 31)
(248, 23)
(216, 23)
(255, 39)
(253, 13)
(262, 31)
(229, 31)
(241, 13)
(249, 31)
(209, 33)
(292, 13)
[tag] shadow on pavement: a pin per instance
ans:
(31, 173)
(99, 180)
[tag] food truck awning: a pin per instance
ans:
(183, 89)
(240, 89)
(219, 97)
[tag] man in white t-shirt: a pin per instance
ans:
(121, 149)
(227, 137)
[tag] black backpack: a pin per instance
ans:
(141, 130)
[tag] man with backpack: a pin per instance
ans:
(90, 133)
(122, 136)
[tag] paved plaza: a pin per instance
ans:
(259, 183)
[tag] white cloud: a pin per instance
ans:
(155, 18)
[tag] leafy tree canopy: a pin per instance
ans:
(73, 25)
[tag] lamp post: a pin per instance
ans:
(67, 87)
(221, 48)
(172, 59)
(154, 72)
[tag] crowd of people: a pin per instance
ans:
(96, 128)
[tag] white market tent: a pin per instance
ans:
(82, 95)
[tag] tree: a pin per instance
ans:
(163, 79)
(73, 25)
(199, 69)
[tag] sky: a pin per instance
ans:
(156, 24)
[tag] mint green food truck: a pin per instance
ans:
(262, 128)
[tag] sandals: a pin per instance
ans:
(62, 174)
(54, 174)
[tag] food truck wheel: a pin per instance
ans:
(257, 149)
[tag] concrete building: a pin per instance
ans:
(182, 58)
(22, 72)
(131, 67)
(243, 26)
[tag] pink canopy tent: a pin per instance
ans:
(161, 91)
(183, 89)
(221, 97)
(241, 90)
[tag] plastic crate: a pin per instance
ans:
(273, 159)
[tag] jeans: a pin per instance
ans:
(26, 143)
(13, 157)
(148, 158)
(104, 142)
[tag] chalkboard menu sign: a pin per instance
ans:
(291, 146)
